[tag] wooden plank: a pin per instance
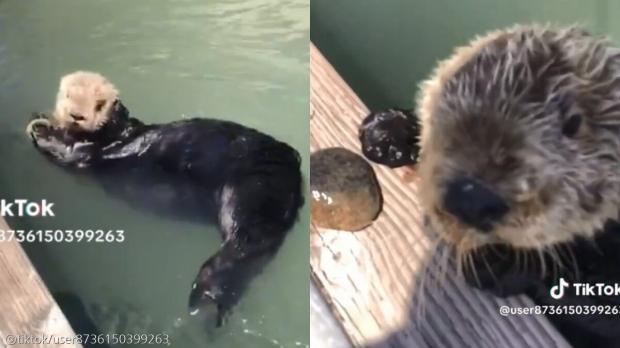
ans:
(370, 277)
(26, 306)
(325, 330)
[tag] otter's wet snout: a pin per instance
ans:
(474, 204)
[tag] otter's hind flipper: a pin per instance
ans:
(223, 279)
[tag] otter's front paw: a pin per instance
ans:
(38, 128)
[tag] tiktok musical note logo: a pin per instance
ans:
(557, 291)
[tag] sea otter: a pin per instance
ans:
(520, 167)
(246, 182)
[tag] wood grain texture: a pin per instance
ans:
(26, 306)
(370, 278)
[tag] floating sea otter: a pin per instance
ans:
(520, 161)
(245, 181)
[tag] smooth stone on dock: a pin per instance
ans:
(344, 189)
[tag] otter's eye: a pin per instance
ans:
(99, 105)
(77, 117)
(571, 126)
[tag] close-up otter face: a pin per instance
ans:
(520, 140)
(84, 101)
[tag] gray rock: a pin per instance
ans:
(345, 192)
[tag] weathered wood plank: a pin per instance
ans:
(370, 276)
(26, 306)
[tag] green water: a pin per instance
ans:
(383, 49)
(240, 60)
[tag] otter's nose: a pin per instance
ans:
(474, 204)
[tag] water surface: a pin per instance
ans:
(245, 61)
(384, 49)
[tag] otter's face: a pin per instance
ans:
(85, 101)
(518, 141)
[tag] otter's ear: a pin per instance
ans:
(120, 111)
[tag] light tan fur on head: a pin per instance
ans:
(495, 111)
(84, 100)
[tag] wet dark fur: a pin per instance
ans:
(181, 168)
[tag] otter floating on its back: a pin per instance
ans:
(245, 181)
(520, 157)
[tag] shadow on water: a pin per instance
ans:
(77, 315)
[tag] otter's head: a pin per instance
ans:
(85, 101)
(520, 140)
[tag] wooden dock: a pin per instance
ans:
(27, 308)
(369, 277)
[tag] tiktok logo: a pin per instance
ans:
(557, 291)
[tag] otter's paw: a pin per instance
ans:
(38, 128)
